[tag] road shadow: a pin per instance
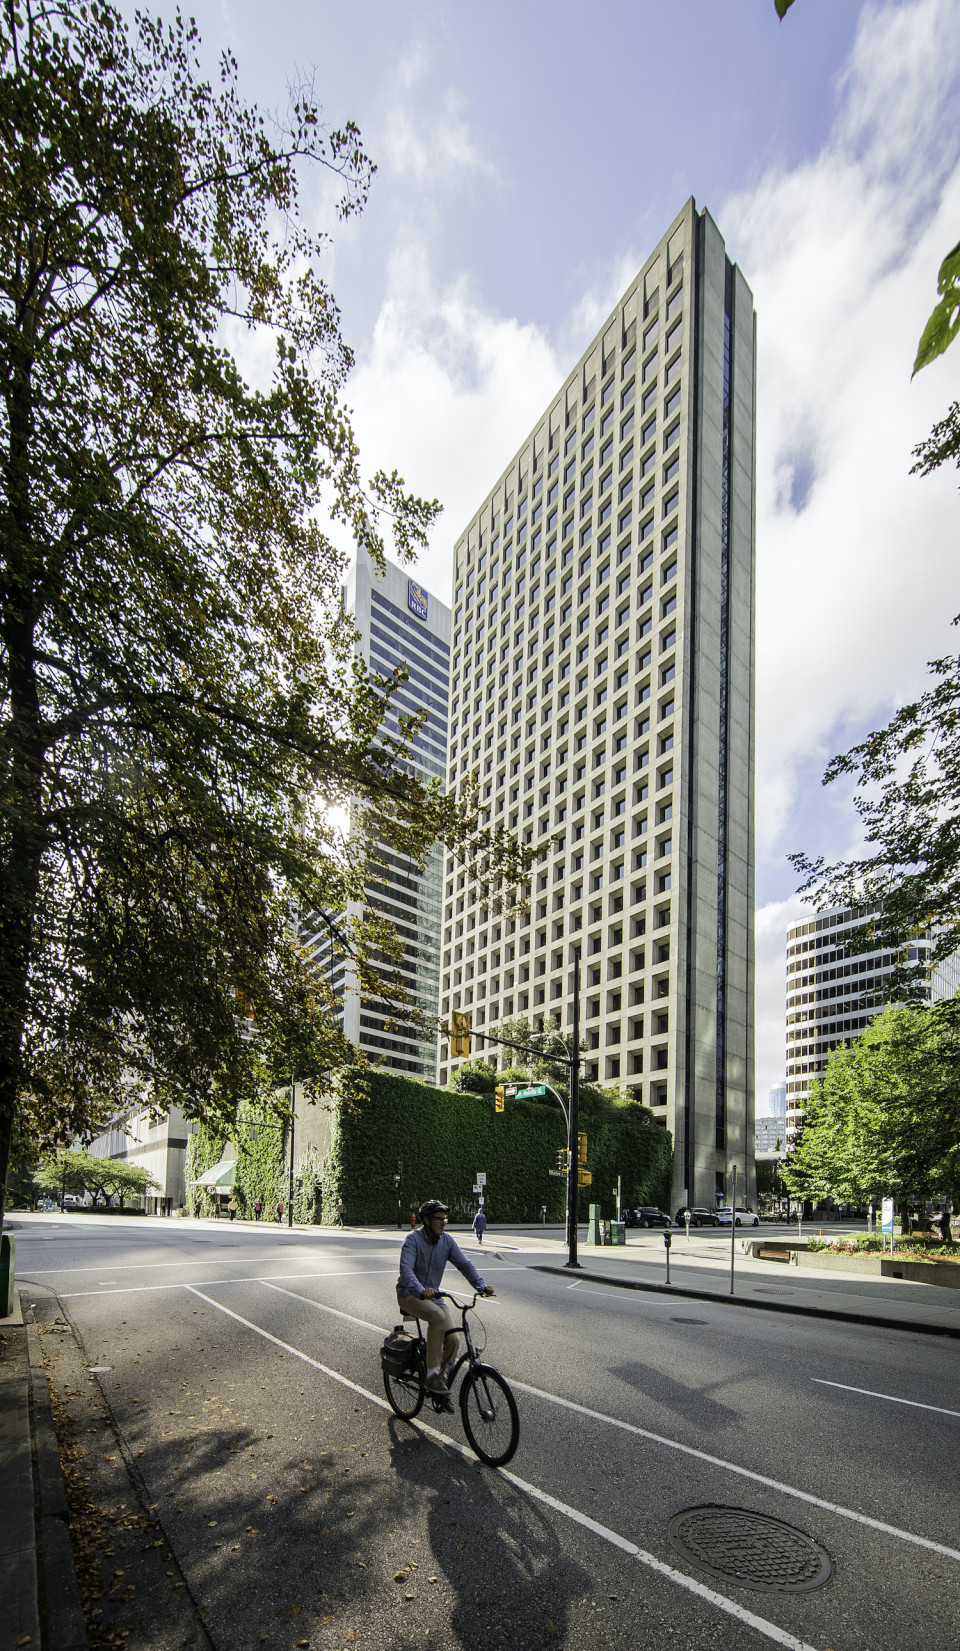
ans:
(491, 1545)
(694, 1404)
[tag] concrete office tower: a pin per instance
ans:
(400, 623)
(602, 689)
(832, 996)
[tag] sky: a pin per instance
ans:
(529, 157)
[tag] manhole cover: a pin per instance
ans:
(687, 1321)
(750, 1550)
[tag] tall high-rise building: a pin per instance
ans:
(602, 690)
(399, 622)
(833, 994)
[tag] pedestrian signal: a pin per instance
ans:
(499, 1096)
(460, 1033)
(581, 1148)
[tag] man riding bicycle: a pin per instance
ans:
(423, 1258)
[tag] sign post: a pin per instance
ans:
(886, 1218)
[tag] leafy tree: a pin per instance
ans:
(180, 711)
(77, 1171)
(886, 1117)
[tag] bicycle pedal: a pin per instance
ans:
(442, 1406)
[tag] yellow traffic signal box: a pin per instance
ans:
(584, 1178)
(581, 1148)
(460, 1033)
(499, 1096)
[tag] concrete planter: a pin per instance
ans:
(945, 1273)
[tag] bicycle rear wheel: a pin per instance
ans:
(405, 1392)
(488, 1410)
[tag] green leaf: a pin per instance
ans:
(783, 6)
(944, 324)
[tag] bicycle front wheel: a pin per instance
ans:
(405, 1393)
(489, 1413)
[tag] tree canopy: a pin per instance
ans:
(76, 1171)
(885, 1120)
(181, 711)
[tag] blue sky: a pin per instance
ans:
(529, 156)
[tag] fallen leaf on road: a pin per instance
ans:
(325, 1620)
(552, 1627)
(409, 1596)
(211, 1523)
(353, 1635)
(433, 1579)
(290, 1612)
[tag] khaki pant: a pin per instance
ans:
(441, 1326)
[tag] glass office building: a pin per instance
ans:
(399, 623)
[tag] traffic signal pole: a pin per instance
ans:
(573, 1124)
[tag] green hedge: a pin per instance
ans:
(444, 1138)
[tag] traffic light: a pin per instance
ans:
(499, 1096)
(563, 1161)
(581, 1148)
(460, 1033)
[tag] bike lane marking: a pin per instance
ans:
(891, 1398)
(660, 1439)
(771, 1631)
(147, 1289)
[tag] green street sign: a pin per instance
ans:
(530, 1094)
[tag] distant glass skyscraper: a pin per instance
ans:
(400, 623)
(602, 691)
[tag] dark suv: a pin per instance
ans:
(647, 1216)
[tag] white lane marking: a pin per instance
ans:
(685, 1450)
(145, 1266)
(745, 1473)
(770, 1630)
(296, 1296)
(891, 1398)
(149, 1289)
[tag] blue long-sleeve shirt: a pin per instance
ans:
(422, 1263)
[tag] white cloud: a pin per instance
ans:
(446, 393)
(431, 146)
(857, 577)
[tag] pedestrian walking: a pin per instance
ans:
(944, 1225)
(479, 1224)
(341, 1213)
(232, 1209)
(413, 1218)
(280, 1211)
(216, 1209)
(257, 1209)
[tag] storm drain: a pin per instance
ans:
(687, 1321)
(750, 1550)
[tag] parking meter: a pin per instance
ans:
(667, 1241)
(686, 1217)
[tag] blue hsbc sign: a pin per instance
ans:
(417, 600)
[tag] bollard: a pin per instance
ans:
(667, 1241)
(8, 1255)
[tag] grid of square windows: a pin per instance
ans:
(564, 654)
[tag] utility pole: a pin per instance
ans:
(573, 1124)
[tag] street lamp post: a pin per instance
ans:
(293, 1119)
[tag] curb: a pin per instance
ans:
(796, 1309)
(61, 1612)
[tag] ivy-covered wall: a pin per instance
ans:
(444, 1139)
(260, 1169)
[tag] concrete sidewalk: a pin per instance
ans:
(39, 1596)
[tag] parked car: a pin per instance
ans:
(746, 1217)
(647, 1216)
(699, 1217)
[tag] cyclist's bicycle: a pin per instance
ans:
(488, 1409)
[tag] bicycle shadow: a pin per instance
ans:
(492, 1545)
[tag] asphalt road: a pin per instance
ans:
(228, 1381)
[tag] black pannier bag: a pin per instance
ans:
(396, 1354)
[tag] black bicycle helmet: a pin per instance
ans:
(432, 1207)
